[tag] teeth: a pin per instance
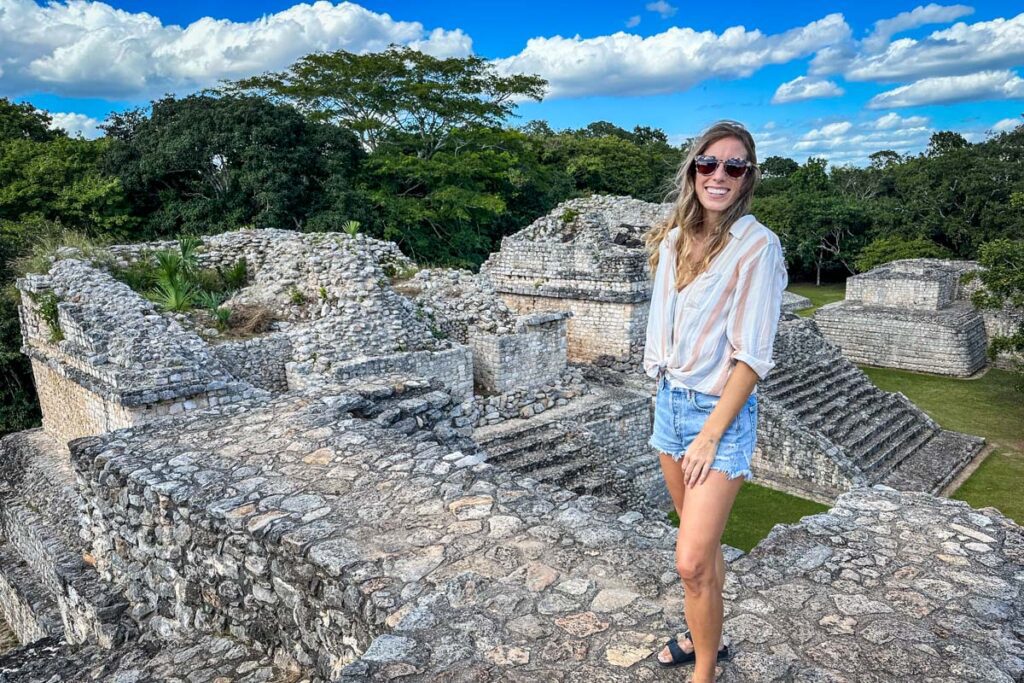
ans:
(717, 191)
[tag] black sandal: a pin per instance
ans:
(679, 657)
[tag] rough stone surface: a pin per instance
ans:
(916, 314)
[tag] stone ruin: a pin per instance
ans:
(916, 314)
(411, 478)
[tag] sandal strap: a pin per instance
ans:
(675, 650)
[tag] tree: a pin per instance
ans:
(778, 167)
(886, 249)
(945, 141)
(200, 164)
(62, 180)
(25, 122)
(1002, 275)
(399, 93)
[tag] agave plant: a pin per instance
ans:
(351, 227)
(173, 294)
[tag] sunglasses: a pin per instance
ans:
(734, 168)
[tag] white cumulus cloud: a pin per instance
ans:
(804, 88)
(985, 85)
(958, 50)
(663, 8)
(1007, 124)
(919, 16)
(76, 124)
(894, 120)
(89, 48)
(672, 61)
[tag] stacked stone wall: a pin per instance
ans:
(536, 353)
(260, 361)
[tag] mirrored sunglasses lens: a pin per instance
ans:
(706, 167)
(734, 169)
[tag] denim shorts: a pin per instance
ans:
(679, 415)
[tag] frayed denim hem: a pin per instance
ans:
(675, 456)
(738, 473)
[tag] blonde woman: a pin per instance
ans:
(715, 306)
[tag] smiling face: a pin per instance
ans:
(718, 191)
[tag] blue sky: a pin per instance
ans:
(839, 80)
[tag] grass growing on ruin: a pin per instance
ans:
(756, 510)
(819, 295)
(987, 406)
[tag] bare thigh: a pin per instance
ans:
(706, 509)
(674, 481)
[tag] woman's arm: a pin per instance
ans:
(737, 390)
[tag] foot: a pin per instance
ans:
(685, 644)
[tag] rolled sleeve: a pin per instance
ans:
(757, 305)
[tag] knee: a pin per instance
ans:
(695, 569)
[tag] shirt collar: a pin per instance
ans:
(739, 227)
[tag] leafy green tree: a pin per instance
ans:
(1002, 275)
(25, 122)
(886, 249)
(202, 164)
(778, 167)
(945, 141)
(399, 93)
(61, 180)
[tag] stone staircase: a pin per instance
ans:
(563, 446)
(883, 435)
(47, 586)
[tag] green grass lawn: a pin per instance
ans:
(756, 510)
(987, 406)
(819, 295)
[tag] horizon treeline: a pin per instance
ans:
(422, 151)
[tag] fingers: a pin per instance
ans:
(695, 470)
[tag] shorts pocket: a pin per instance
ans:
(704, 402)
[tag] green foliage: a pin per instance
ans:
(237, 276)
(18, 408)
(223, 317)
(61, 181)
(1002, 261)
(25, 122)
(173, 293)
(323, 293)
(351, 227)
(398, 96)
(202, 164)
(47, 308)
(569, 215)
(886, 249)
(36, 242)
(209, 300)
(296, 296)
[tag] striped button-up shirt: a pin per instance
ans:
(728, 313)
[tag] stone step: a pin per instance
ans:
(796, 372)
(815, 414)
(27, 607)
(876, 431)
(532, 457)
(541, 436)
(897, 451)
(821, 385)
(563, 473)
(40, 526)
(843, 429)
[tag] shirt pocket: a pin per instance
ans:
(702, 289)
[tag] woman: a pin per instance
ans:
(715, 305)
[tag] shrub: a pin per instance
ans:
(210, 300)
(296, 296)
(569, 215)
(351, 227)
(223, 316)
(47, 309)
(237, 276)
(886, 249)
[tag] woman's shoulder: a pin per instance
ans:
(756, 230)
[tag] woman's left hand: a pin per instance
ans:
(698, 458)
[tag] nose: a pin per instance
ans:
(720, 173)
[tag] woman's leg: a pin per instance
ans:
(676, 485)
(700, 564)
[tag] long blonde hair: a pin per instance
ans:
(688, 213)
